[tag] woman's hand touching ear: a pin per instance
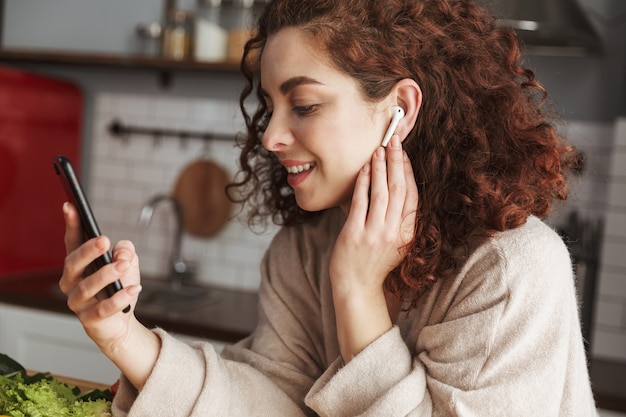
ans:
(380, 225)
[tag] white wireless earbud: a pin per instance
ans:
(398, 114)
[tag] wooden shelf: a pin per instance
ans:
(112, 61)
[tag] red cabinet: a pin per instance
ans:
(39, 117)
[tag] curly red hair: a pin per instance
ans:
(484, 150)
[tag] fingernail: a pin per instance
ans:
(395, 142)
(380, 152)
(66, 207)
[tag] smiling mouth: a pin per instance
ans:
(297, 169)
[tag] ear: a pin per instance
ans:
(408, 95)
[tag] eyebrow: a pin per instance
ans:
(292, 83)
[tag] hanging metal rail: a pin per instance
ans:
(121, 130)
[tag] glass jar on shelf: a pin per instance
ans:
(210, 37)
(176, 35)
(240, 22)
(149, 36)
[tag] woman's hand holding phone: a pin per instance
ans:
(371, 244)
(120, 336)
(97, 313)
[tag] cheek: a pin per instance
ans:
(359, 145)
(358, 133)
(342, 161)
(343, 144)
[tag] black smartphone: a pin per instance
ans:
(64, 169)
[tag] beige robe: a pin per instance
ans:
(501, 338)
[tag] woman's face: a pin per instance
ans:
(321, 129)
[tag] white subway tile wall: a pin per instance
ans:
(610, 334)
(126, 173)
(599, 194)
(588, 192)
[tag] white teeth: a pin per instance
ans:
(296, 169)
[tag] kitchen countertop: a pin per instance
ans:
(225, 315)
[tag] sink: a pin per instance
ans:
(159, 293)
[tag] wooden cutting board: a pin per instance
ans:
(201, 191)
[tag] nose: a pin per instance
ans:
(277, 134)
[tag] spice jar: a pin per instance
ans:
(176, 41)
(149, 38)
(210, 38)
(241, 24)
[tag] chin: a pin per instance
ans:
(308, 204)
(312, 207)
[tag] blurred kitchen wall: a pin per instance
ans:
(127, 172)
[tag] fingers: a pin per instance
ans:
(78, 260)
(388, 183)
(412, 195)
(81, 291)
(124, 250)
(360, 198)
(83, 296)
(409, 209)
(394, 193)
(379, 195)
(396, 178)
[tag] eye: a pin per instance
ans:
(305, 110)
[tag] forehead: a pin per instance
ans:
(294, 39)
(291, 52)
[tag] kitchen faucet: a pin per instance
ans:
(180, 270)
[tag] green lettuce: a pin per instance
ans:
(41, 395)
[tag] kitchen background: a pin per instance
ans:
(121, 174)
(126, 173)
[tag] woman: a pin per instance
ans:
(416, 279)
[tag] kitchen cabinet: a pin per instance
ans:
(56, 342)
(52, 342)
